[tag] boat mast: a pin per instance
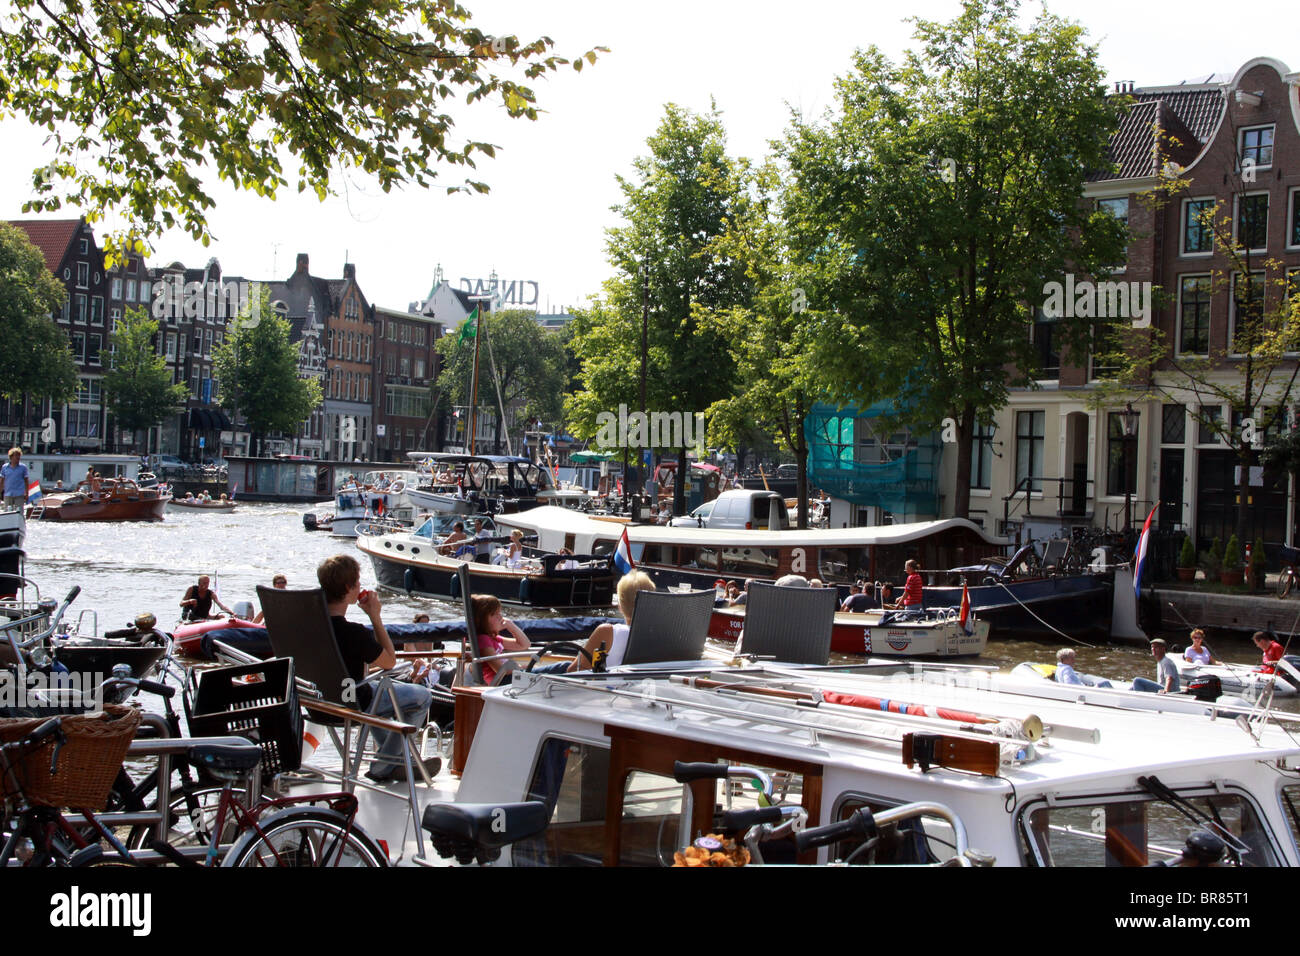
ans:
(473, 401)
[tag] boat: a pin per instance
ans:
(1020, 603)
(411, 562)
(209, 504)
(488, 484)
(374, 496)
(931, 632)
(117, 499)
(1040, 679)
(1244, 680)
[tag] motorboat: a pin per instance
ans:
(1202, 694)
(203, 504)
(374, 496)
(417, 562)
(1020, 603)
(488, 484)
(1244, 680)
(107, 499)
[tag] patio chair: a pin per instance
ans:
(470, 672)
(298, 626)
(791, 625)
(668, 626)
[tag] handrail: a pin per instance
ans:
(1026, 484)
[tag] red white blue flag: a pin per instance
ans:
(967, 625)
(623, 555)
(1140, 556)
(34, 491)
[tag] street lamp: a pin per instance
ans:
(1129, 421)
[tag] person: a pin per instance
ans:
(482, 544)
(16, 479)
(340, 579)
(614, 636)
(913, 587)
(733, 592)
(1198, 653)
(569, 563)
(457, 535)
(816, 583)
(1065, 672)
(1272, 650)
(198, 601)
(497, 634)
(515, 554)
(92, 476)
(1166, 681)
(788, 581)
(279, 582)
(858, 600)
(420, 667)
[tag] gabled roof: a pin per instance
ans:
(1186, 118)
(51, 236)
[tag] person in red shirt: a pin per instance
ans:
(912, 588)
(1273, 651)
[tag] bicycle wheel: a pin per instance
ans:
(188, 824)
(1284, 582)
(306, 836)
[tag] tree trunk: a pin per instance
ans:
(965, 436)
(801, 452)
(679, 483)
(1246, 457)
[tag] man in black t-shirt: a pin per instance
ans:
(340, 579)
(198, 601)
(859, 599)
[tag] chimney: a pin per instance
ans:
(302, 262)
(350, 271)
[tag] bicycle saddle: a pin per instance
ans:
(229, 758)
(480, 830)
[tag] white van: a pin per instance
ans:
(741, 508)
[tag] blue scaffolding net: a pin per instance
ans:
(852, 456)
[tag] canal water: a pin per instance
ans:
(127, 568)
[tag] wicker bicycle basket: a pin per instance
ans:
(87, 764)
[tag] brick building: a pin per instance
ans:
(405, 365)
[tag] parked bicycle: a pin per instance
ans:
(1288, 580)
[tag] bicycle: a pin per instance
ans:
(1288, 580)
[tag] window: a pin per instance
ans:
(114, 316)
(115, 290)
(1029, 449)
(1194, 315)
(79, 347)
(130, 290)
(419, 368)
(1173, 424)
(1252, 220)
(405, 366)
(1197, 236)
(981, 463)
(391, 364)
(1121, 457)
(1046, 347)
(1116, 207)
(64, 314)
(79, 303)
(146, 288)
(171, 346)
(1206, 433)
(418, 335)
(1247, 313)
(83, 244)
(83, 275)
(94, 343)
(392, 332)
(1104, 348)
(1257, 147)
(97, 310)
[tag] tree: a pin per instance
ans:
(518, 356)
(257, 368)
(35, 361)
(138, 388)
(141, 97)
(937, 202)
(667, 264)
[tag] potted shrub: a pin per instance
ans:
(1232, 568)
(1258, 564)
(1212, 560)
(1187, 560)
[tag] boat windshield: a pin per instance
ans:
(1137, 829)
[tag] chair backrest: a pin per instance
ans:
(792, 625)
(472, 674)
(1055, 551)
(668, 626)
(298, 625)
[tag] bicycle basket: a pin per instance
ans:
(257, 701)
(87, 764)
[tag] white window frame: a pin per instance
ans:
(1236, 217)
(1292, 211)
(1178, 317)
(1241, 144)
(1182, 231)
(1232, 307)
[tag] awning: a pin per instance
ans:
(582, 457)
(208, 419)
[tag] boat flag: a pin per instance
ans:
(623, 555)
(469, 328)
(1140, 555)
(965, 617)
(34, 491)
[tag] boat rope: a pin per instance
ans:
(1057, 630)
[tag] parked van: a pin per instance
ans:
(740, 508)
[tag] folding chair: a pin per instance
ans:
(298, 626)
(668, 626)
(470, 670)
(791, 625)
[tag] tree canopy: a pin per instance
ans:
(35, 360)
(934, 205)
(138, 387)
(257, 371)
(142, 98)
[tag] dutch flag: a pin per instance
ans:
(623, 555)
(1140, 556)
(967, 623)
(34, 492)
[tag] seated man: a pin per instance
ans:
(340, 579)
(1272, 651)
(457, 535)
(198, 601)
(1065, 672)
(859, 599)
(1166, 681)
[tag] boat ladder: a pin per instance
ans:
(580, 591)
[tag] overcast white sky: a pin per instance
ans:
(553, 180)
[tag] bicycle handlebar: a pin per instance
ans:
(736, 820)
(861, 825)
(686, 772)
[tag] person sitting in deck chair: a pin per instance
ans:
(614, 636)
(340, 579)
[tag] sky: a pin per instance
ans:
(553, 181)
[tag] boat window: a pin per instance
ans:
(843, 565)
(926, 839)
(1291, 809)
(570, 777)
(658, 554)
(752, 562)
(1136, 829)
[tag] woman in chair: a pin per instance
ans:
(614, 636)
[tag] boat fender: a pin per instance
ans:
(408, 580)
(453, 587)
(523, 591)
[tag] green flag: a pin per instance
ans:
(469, 328)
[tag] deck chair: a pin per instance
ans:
(470, 672)
(298, 626)
(668, 626)
(791, 625)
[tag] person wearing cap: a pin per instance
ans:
(1166, 681)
